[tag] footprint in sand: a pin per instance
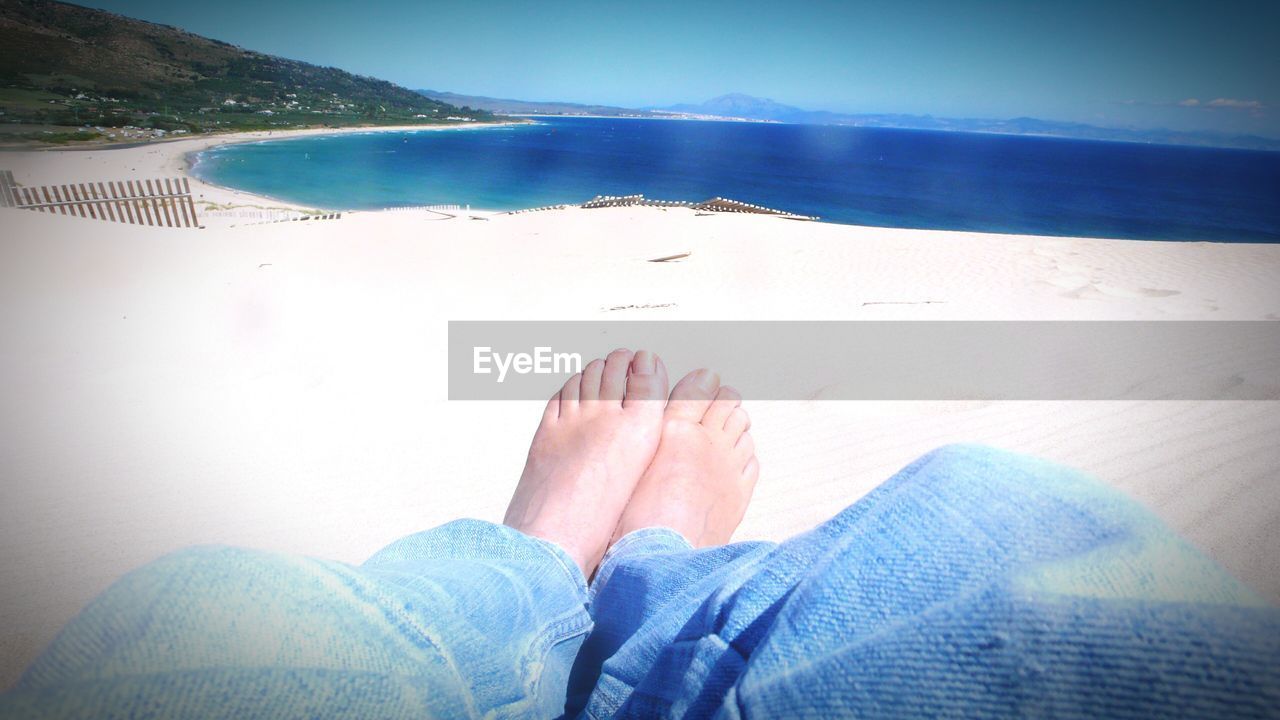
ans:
(1084, 292)
(1079, 279)
(1071, 283)
(1101, 290)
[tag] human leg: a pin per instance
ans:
(465, 619)
(974, 582)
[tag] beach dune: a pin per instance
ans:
(283, 386)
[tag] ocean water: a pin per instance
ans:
(865, 176)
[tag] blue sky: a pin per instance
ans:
(1180, 65)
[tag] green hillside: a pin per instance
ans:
(64, 67)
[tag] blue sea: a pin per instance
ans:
(863, 176)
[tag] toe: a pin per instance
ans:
(737, 423)
(692, 395)
(745, 448)
(552, 411)
(613, 379)
(591, 374)
(569, 394)
(646, 380)
(726, 401)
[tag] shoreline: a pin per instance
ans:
(218, 205)
(259, 136)
(190, 170)
(240, 136)
(190, 157)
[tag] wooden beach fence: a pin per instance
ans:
(717, 204)
(299, 217)
(536, 209)
(163, 202)
(7, 198)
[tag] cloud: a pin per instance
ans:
(1234, 104)
(1216, 103)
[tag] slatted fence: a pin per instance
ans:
(298, 217)
(716, 204)
(536, 209)
(164, 202)
(416, 208)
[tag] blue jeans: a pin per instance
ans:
(974, 583)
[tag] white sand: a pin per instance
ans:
(283, 386)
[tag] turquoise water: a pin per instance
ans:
(865, 176)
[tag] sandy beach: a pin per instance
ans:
(282, 386)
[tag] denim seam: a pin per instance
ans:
(570, 624)
(609, 561)
(637, 535)
(572, 574)
(394, 613)
(560, 630)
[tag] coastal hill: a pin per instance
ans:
(64, 67)
(507, 106)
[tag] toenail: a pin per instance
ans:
(645, 363)
(708, 380)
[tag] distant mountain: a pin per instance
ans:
(63, 64)
(746, 107)
(507, 106)
(737, 105)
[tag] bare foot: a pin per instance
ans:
(595, 440)
(701, 480)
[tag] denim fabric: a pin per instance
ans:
(464, 620)
(974, 583)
